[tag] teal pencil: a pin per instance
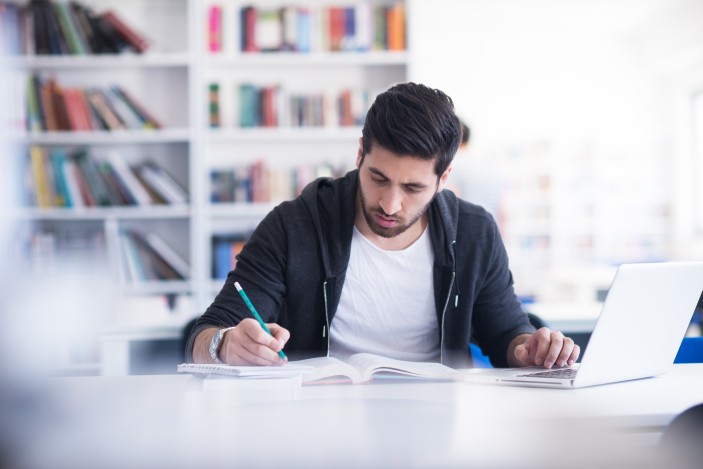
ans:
(256, 314)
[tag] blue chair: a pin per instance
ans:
(691, 350)
(480, 359)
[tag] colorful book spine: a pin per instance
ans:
(134, 39)
(396, 27)
(215, 28)
(41, 183)
(129, 180)
(162, 183)
(63, 195)
(168, 254)
(74, 39)
(214, 105)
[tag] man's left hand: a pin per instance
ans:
(544, 347)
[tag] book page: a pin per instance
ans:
(368, 364)
(329, 370)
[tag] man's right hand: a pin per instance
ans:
(249, 344)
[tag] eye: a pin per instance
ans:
(378, 180)
(413, 189)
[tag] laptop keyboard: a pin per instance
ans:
(561, 373)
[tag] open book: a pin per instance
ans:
(360, 368)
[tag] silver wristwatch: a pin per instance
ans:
(216, 342)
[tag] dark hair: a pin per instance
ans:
(412, 119)
(465, 133)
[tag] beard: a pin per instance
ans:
(389, 232)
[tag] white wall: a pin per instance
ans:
(538, 68)
(600, 76)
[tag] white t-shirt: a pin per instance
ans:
(387, 305)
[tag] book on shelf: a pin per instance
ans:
(95, 182)
(167, 253)
(46, 101)
(214, 30)
(79, 179)
(108, 117)
(44, 27)
(73, 190)
(257, 182)
(357, 369)
(82, 184)
(136, 40)
(42, 185)
(160, 182)
(214, 105)
(59, 106)
(68, 28)
(125, 174)
(60, 183)
(225, 249)
(148, 119)
(119, 195)
(326, 28)
(57, 41)
(53, 107)
(78, 115)
(395, 30)
(268, 32)
(134, 270)
(274, 106)
(148, 257)
(247, 21)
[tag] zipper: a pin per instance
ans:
(446, 302)
(326, 327)
(444, 313)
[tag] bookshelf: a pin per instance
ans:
(159, 80)
(327, 145)
(171, 80)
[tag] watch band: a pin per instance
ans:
(216, 342)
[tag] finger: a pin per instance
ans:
(574, 355)
(541, 345)
(566, 350)
(280, 333)
(251, 345)
(257, 354)
(256, 333)
(522, 353)
(263, 345)
(556, 344)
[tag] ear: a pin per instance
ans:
(444, 178)
(359, 154)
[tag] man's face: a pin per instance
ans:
(395, 192)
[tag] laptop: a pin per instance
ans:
(640, 328)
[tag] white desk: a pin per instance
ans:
(168, 421)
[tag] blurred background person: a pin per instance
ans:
(474, 180)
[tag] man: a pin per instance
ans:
(381, 260)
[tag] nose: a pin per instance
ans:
(391, 201)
